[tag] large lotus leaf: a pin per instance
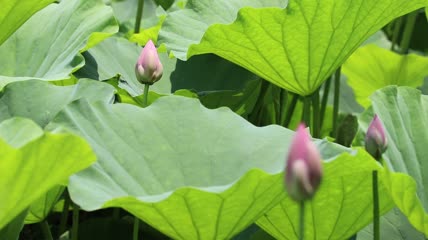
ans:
(47, 46)
(17, 133)
(183, 28)
(404, 113)
(14, 13)
(371, 68)
(119, 56)
(191, 172)
(31, 169)
(304, 43)
(41, 101)
(340, 208)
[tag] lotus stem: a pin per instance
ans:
(302, 220)
(408, 30)
(44, 226)
(324, 99)
(336, 101)
(256, 115)
(136, 228)
(376, 217)
(64, 214)
(146, 95)
(290, 110)
(283, 98)
(75, 227)
(306, 114)
(139, 16)
(396, 32)
(316, 114)
(116, 213)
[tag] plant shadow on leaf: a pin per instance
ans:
(209, 72)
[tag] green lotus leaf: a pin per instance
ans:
(41, 101)
(303, 43)
(404, 113)
(185, 27)
(31, 166)
(371, 68)
(47, 46)
(15, 12)
(341, 207)
(190, 172)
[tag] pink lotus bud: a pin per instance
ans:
(375, 142)
(148, 69)
(304, 168)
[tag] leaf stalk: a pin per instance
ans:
(140, 8)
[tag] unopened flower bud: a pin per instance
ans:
(304, 167)
(148, 69)
(375, 141)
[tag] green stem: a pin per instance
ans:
(136, 228)
(146, 95)
(283, 101)
(408, 30)
(256, 115)
(336, 101)
(44, 226)
(276, 96)
(64, 214)
(116, 213)
(324, 100)
(139, 16)
(306, 114)
(376, 221)
(302, 220)
(75, 227)
(396, 32)
(316, 120)
(290, 110)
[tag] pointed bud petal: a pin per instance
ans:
(304, 167)
(375, 141)
(148, 69)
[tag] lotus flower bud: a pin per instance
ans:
(148, 69)
(375, 141)
(304, 167)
